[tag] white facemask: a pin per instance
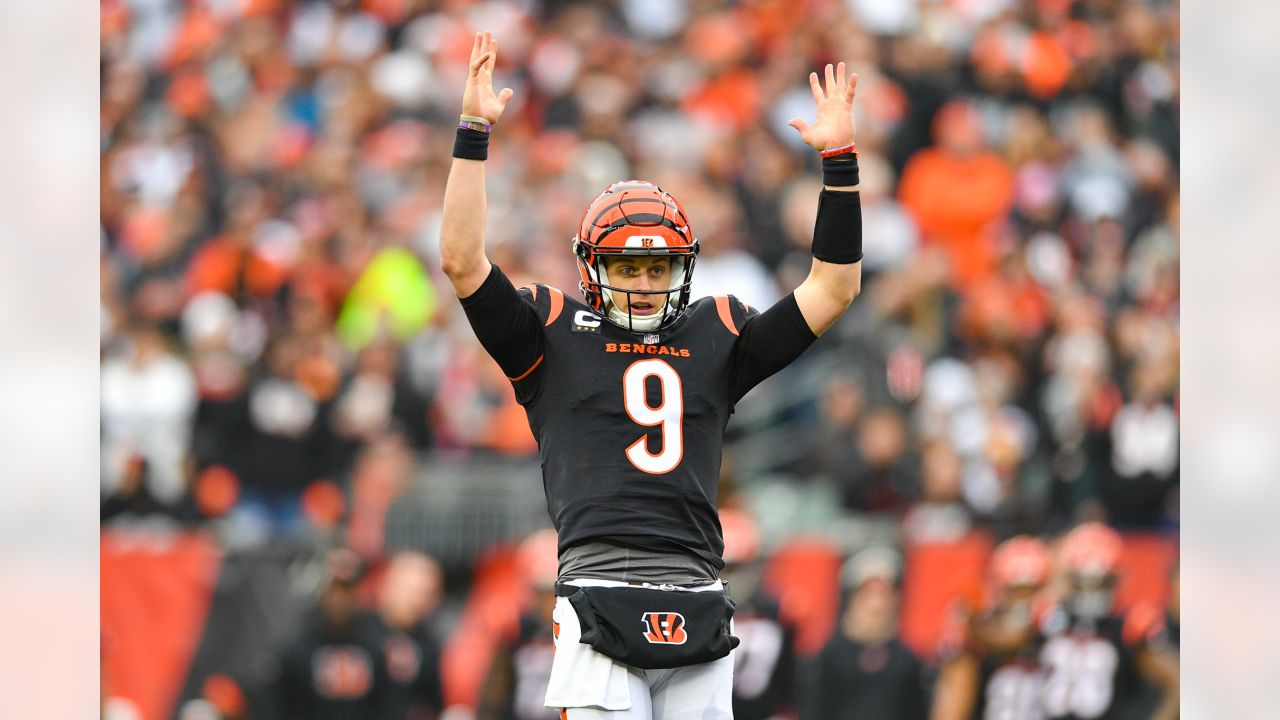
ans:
(643, 323)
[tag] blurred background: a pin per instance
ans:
(306, 454)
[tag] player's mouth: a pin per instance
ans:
(643, 307)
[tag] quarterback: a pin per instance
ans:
(628, 392)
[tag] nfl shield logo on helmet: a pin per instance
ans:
(651, 339)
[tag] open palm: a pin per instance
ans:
(479, 99)
(833, 127)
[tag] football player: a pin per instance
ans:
(628, 392)
(517, 679)
(992, 669)
(765, 662)
(1093, 667)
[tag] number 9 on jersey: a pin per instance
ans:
(669, 413)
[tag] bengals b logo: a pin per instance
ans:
(665, 628)
(647, 242)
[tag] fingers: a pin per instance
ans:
(853, 86)
(831, 80)
(484, 53)
(816, 87)
(799, 124)
(505, 96)
(840, 75)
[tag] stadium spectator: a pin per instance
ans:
(886, 478)
(148, 402)
(941, 515)
(410, 591)
(865, 671)
(334, 667)
(957, 191)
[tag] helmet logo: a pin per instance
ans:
(646, 241)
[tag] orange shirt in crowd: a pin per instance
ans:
(955, 201)
(219, 264)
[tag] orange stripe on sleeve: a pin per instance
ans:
(557, 304)
(726, 317)
(525, 374)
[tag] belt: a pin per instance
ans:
(564, 589)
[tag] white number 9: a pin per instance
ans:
(669, 414)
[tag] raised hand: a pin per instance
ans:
(834, 126)
(479, 99)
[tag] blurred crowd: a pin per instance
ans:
(278, 344)
(274, 320)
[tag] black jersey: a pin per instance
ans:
(764, 662)
(850, 680)
(1010, 687)
(333, 674)
(630, 426)
(1090, 672)
(517, 681)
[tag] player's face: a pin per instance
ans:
(1020, 594)
(1091, 596)
(643, 273)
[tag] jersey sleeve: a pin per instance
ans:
(509, 324)
(767, 341)
(1144, 626)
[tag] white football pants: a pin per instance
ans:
(586, 685)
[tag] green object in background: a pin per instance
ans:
(394, 290)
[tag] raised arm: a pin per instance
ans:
(462, 255)
(835, 277)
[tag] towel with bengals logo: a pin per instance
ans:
(652, 627)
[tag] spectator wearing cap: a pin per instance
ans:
(865, 671)
(333, 669)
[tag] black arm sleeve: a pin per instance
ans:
(769, 342)
(507, 326)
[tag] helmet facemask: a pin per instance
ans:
(669, 299)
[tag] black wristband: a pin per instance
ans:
(840, 170)
(471, 145)
(837, 234)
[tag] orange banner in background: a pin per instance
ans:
(155, 596)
